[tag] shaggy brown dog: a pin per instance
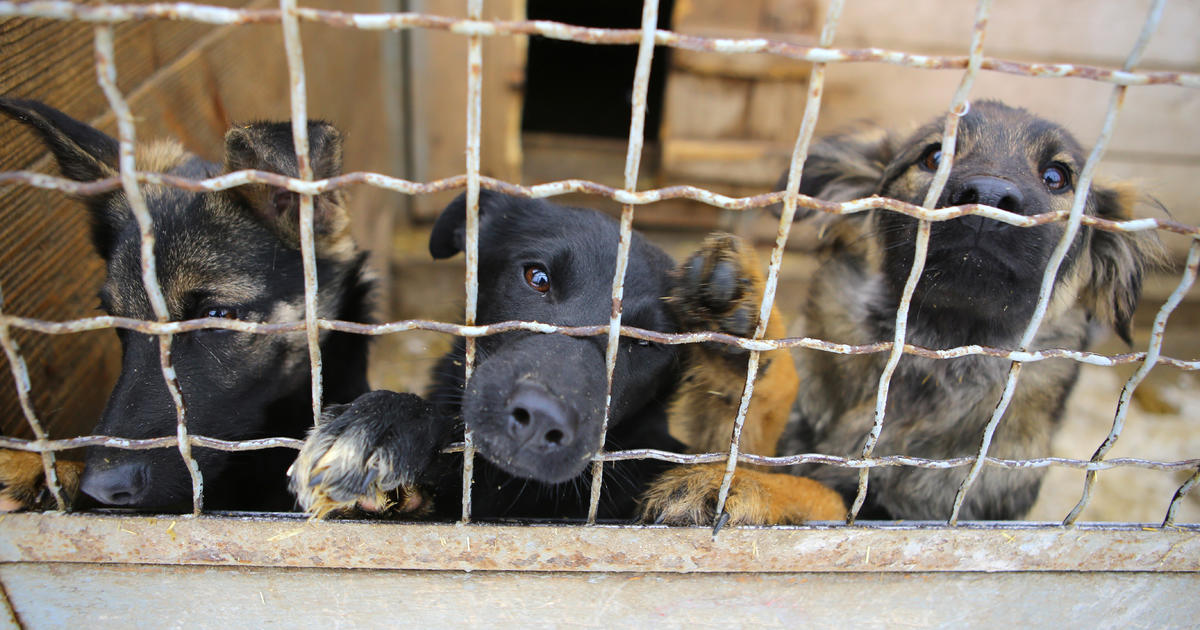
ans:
(980, 286)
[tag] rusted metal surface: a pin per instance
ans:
(633, 161)
(106, 76)
(555, 30)
(1083, 188)
(289, 541)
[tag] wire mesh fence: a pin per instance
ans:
(647, 38)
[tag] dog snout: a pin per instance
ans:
(124, 484)
(990, 191)
(539, 420)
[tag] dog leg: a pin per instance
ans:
(720, 288)
(369, 455)
(23, 481)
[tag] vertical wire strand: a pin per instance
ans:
(633, 159)
(474, 133)
(1152, 355)
(808, 125)
(20, 372)
(1169, 520)
(308, 251)
(106, 72)
(1056, 259)
(959, 106)
(1160, 320)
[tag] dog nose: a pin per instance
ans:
(540, 420)
(125, 484)
(990, 191)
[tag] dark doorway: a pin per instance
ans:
(586, 89)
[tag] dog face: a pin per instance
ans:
(982, 276)
(536, 402)
(231, 254)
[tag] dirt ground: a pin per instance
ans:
(1162, 425)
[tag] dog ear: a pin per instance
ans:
(1118, 260)
(83, 153)
(268, 146)
(843, 167)
(449, 234)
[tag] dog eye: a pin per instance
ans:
(1055, 177)
(932, 157)
(536, 277)
(221, 312)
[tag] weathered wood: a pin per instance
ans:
(439, 62)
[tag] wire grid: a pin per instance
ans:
(647, 37)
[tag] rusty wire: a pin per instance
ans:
(474, 28)
(471, 255)
(1135, 379)
(215, 15)
(959, 106)
(633, 161)
(812, 108)
(106, 72)
(1083, 187)
(564, 187)
(308, 252)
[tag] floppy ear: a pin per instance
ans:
(841, 168)
(450, 231)
(84, 154)
(268, 146)
(1118, 261)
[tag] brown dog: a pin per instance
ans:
(980, 286)
(720, 288)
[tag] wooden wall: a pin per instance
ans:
(733, 119)
(183, 80)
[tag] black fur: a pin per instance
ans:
(535, 402)
(221, 254)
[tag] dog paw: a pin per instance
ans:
(719, 288)
(688, 496)
(368, 456)
(23, 481)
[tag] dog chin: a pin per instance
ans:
(548, 470)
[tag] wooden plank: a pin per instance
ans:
(1067, 31)
(439, 62)
(704, 107)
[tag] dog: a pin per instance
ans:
(979, 286)
(535, 403)
(231, 254)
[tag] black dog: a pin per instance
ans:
(232, 254)
(535, 402)
(980, 285)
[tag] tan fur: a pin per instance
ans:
(703, 415)
(23, 480)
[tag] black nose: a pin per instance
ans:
(990, 191)
(537, 419)
(124, 484)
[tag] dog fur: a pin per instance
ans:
(232, 254)
(535, 402)
(980, 285)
